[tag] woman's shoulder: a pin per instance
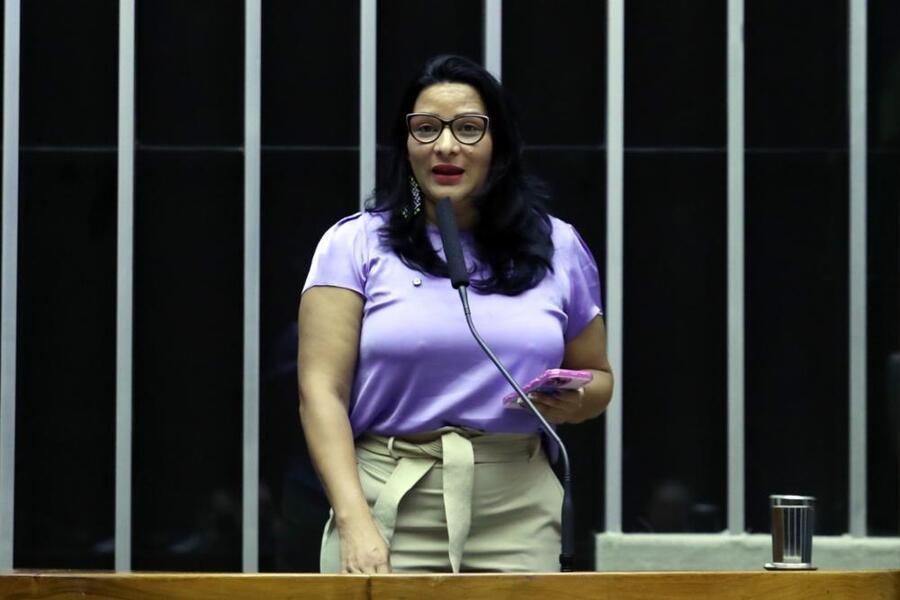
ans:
(361, 220)
(562, 233)
(567, 242)
(363, 224)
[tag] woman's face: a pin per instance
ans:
(446, 167)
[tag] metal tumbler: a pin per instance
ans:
(793, 523)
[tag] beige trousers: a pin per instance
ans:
(463, 502)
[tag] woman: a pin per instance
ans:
(424, 467)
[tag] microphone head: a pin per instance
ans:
(446, 222)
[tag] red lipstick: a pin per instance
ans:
(447, 174)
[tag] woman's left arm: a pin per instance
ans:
(587, 351)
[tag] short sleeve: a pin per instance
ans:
(583, 303)
(341, 256)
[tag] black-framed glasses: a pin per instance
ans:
(468, 129)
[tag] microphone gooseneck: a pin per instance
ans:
(459, 278)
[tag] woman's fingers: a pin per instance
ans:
(548, 408)
(383, 568)
(363, 550)
(559, 408)
(371, 568)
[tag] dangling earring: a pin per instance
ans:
(415, 206)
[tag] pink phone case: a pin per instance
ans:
(550, 381)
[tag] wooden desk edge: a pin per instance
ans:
(669, 585)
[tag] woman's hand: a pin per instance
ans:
(565, 406)
(363, 550)
(587, 351)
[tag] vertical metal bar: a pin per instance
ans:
(736, 484)
(857, 258)
(10, 257)
(252, 99)
(368, 32)
(493, 37)
(124, 286)
(615, 221)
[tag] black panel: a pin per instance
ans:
(69, 78)
(554, 65)
(675, 73)
(65, 417)
(796, 73)
(188, 321)
(674, 343)
(301, 199)
(412, 31)
(883, 236)
(190, 72)
(883, 344)
(576, 182)
(884, 74)
(796, 324)
(310, 73)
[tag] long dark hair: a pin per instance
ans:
(512, 233)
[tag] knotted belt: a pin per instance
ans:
(458, 450)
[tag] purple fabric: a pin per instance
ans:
(419, 368)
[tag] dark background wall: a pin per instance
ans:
(189, 250)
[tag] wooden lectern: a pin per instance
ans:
(811, 585)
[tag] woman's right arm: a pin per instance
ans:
(329, 325)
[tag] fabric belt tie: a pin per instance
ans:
(458, 456)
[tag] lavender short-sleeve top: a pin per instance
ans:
(419, 369)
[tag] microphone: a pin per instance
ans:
(456, 264)
(459, 278)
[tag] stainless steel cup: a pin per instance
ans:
(793, 523)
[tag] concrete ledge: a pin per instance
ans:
(726, 552)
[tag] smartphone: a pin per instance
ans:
(548, 382)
